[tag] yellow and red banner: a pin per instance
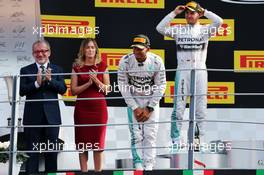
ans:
(68, 94)
(226, 32)
(249, 61)
(151, 4)
(217, 92)
(68, 26)
(112, 56)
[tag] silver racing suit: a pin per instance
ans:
(191, 44)
(149, 86)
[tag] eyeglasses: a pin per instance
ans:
(41, 51)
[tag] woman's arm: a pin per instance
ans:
(75, 89)
(103, 86)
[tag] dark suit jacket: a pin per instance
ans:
(33, 111)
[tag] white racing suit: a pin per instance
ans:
(191, 43)
(150, 86)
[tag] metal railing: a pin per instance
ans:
(192, 120)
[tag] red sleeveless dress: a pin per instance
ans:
(90, 111)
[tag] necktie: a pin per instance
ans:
(43, 72)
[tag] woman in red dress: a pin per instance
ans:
(90, 111)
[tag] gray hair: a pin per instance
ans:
(41, 41)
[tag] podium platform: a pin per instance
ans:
(180, 161)
(241, 155)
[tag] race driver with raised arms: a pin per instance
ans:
(191, 43)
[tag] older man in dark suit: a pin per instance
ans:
(43, 86)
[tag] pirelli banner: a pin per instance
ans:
(249, 61)
(154, 4)
(218, 93)
(113, 56)
(237, 46)
(68, 26)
